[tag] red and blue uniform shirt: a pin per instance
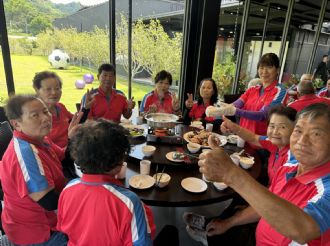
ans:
(310, 192)
(27, 167)
(307, 100)
(277, 157)
(164, 105)
(107, 107)
(258, 98)
(324, 93)
(96, 210)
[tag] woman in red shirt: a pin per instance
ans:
(207, 95)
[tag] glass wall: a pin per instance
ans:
(156, 42)
(230, 20)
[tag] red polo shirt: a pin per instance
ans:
(60, 125)
(107, 107)
(197, 111)
(310, 192)
(29, 166)
(307, 100)
(96, 210)
(277, 157)
(324, 93)
(163, 106)
(257, 98)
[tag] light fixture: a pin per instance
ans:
(261, 10)
(221, 29)
(278, 8)
(231, 32)
(258, 33)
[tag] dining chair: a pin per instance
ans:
(6, 135)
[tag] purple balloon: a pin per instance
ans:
(88, 78)
(80, 84)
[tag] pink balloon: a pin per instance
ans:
(88, 78)
(80, 84)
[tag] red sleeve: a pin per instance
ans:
(192, 110)
(266, 144)
(65, 111)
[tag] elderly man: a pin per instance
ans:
(108, 103)
(306, 96)
(325, 92)
(295, 209)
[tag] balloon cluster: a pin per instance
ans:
(88, 78)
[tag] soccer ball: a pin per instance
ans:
(59, 59)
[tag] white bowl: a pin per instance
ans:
(193, 147)
(246, 162)
(148, 150)
(162, 180)
(220, 185)
(235, 158)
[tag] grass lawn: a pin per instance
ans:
(25, 67)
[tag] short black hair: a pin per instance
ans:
(162, 75)
(106, 67)
(38, 77)
(279, 109)
(99, 146)
(214, 97)
(324, 56)
(269, 59)
(15, 104)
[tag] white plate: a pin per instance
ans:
(223, 139)
(169, 156)
(194, 185)
(141, 181)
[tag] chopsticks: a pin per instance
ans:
(193, 156)
(158, 179)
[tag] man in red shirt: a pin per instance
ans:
(108, 103)
(306, 96)
(296, 208)
(96, 209)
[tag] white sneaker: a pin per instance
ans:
(194, 220)
(197, 235)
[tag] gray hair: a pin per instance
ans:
(315, 111)
(305, 87)
(15, 104)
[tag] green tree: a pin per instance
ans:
(40, 23)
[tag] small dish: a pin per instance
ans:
(220, 185)
(148, 150)
(162, 179)
(141, 181)
(171, 156)
(194, 185)
(246, 162)
(193, 147)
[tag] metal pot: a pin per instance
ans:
(161, 120)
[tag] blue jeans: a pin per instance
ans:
(56, 239)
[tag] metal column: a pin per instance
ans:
(241, 45)
(112, 31)
(129, 48)
(6, 51)
(264, 30)
(317, 35)
(200, 29)
(285, 30)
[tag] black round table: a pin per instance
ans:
(174, 195)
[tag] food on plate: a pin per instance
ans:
(135, 132)
(178, 156)
(199, 138)
(212, 111)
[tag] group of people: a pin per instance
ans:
(45, 205)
